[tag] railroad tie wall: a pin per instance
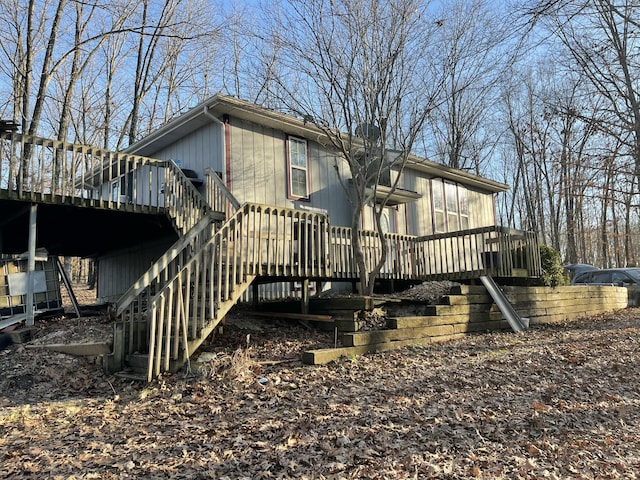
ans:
(470, 309)
(542, 305)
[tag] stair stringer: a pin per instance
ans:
(197, 298)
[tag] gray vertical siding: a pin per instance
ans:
(118, 271)
(201, 149)
(259, 172)
(258, 166)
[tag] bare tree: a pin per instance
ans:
(596, 41)
(558, 144)
(51, 48)
(602, 37)
(360, 70)
(164, 32)
(475, 56)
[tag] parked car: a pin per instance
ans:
(608, 276)
(574, 269)
(623, 277)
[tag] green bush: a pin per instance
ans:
(552, 269)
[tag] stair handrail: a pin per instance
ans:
(238, 250)
(163, 350)
(184, 204)
(218, 196)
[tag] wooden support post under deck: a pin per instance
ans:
(254, 299)
(304, 299)
(31, 265)
(115, 361)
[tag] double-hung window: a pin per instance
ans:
(298, 163)
(451, 202)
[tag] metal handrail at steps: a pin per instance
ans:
(42, 170)
(258, 241)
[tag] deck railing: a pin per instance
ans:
(257, 241)
(218, 196)
(51, 171)
(494, 250)
(400, 262)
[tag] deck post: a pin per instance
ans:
(114, 361)
(31, 265)
(304, 299)
(254, 297)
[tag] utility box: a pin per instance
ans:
(14, 283)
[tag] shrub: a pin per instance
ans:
(552, 269)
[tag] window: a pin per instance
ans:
(601, 277)
(451, 197)
(115, 190)
(122, 188)
(298, 163)
(450, 206)
(621, 278)
(463, 208)
(437, 192)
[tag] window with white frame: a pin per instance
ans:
(298, 163)
(463, 208)
(437, 200)
(115, 190)
(450, 206)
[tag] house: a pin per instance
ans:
(232, 199)
(266, 157)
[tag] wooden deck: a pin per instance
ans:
(34, 169)
(222, 246)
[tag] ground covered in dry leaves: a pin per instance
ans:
(561, 401)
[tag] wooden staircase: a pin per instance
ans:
(185, 295)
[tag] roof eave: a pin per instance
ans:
(218, 106)
(456, 175)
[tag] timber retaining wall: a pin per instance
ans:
(545, 304)
(470, 309)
